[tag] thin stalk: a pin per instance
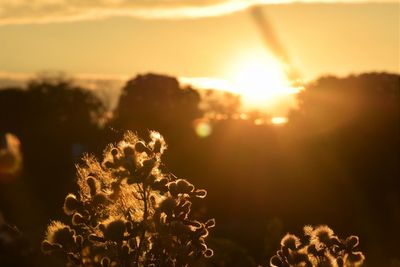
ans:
(144, 219)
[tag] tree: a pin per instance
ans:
(155, 101)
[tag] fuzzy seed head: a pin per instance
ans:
(290, 241)
(308, 229)
(322, 234)
(129, 151)
(59, 233)
(114, 230)
(173, 189)
(208, 253)
(140, 147)
(200, 193)
(210, 223)
(352, 242)
(77, 219)
(70, 204)
(183, 186)
(91, 182)
(275, 261)
(157, 143)
(114, 152)
(354, 258)
(167, 205)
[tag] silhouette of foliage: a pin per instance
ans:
(154, 101)
(319, 247)
(219, 104)
(61, 108)
(343, 138)
(129, 213)
(330, 102)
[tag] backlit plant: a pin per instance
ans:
(129, 213)
(319, 247)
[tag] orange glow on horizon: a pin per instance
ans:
(260, 80)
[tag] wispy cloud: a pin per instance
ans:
(49, 11)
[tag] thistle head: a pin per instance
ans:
(321, 235)
(354, 259)
(59, 233)
(113, 229)
(70, 204)
(290, 241)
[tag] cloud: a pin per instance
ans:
(49, 11)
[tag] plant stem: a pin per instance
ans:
(144, 219)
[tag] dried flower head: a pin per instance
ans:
(70, 204)
(320, 247)
(290, 241)
(129, 213)
(321, 235)
(59, 233)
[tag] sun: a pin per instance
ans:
(262, 82)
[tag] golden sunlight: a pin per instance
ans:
(262, 82)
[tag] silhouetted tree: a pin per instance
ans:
(61, 109)
(56, 121)
(157, 102)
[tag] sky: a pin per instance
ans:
(199, 39)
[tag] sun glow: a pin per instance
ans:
(262, 83)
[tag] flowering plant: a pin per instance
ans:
(129, 213)
(319, 247)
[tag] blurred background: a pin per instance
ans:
(287, 113)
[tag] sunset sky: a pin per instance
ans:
(320, 38)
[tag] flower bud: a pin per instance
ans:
(193, 223)
(352, 241)
(129, 151)
(200, 193)
(91, 182)
(173, 189)
(70, 204)
(114, 230)
(167, 205)
(157, 146)
(275, 261)
(208, 253)
(78, 219)
(141, 147)
(114, 152)
(184, 186)
(210, 223)
(354, 258)
(108, 164)
(59, 233)
(290, 241)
